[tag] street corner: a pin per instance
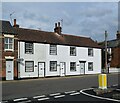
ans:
(110, 94)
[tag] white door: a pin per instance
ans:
(41, 71)
(82, 68)
(9, 70)
(62, 69)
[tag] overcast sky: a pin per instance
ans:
(79, 18)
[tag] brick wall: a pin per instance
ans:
(10, 53)
(115, 62)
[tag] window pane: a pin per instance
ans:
(6, 40)
(6, 46)
(90, 66)
(10, 46)
(29, 66)
(90, 52)
(72, 51)
(53, 49)
(10, 40)
(53, 65)
(72, 66)
(29, 48)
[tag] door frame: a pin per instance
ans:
(64, 68)
(38, 68)
(84, 66)
(7, 59)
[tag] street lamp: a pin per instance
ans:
(106, 50)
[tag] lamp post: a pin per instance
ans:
(106, 51)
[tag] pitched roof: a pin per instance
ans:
(6, 27)
(111, 43)
(54, 38)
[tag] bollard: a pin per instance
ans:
(102, 81)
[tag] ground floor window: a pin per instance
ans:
(53, 65)
(90, 66)
(72, 66)
(29, 66)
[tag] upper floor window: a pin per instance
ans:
(29, 48)
(72, 66)
(53, 49)
(53, 65)
(9, 43)
(90, 51)
(72, 51)
(90, 66)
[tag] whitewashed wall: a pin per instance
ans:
(38, 56)
(41, 54)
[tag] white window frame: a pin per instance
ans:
(53, 66)
(90, 52)
(72, 51)
(90, 68)
(8, 43)
(29, 50)
(53, 49)
(27, 68)
(73, 66)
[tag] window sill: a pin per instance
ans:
(7, 50)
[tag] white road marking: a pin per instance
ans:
(115, 85)
(25, 101)
(39, 96)
(43, 99)
(81, 91)
(54, 94)
(19, 99)
(69, 92)
(59, 96)
(4, 102)
(75, 93)
(118, 89)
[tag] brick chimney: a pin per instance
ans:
(58, 28)
(118, 35)
(15, 25)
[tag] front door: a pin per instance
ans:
(62, 69)
(41, 69)
(82, 67)
(9, 70)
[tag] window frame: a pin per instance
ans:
(53, 70)
(32, 68)
(29, 48)
(91, 53)
(89, 63)
(8, 44)
(53, 49)
(73, 67)
(72, 53)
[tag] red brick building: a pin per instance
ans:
(9, 51)
(113, 54)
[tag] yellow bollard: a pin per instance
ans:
(102, 81)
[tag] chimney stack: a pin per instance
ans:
(58, 28)
(15, 25)
(118, 35)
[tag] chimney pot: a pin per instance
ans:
(58, 24)
(14, 22)
(55, 25)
